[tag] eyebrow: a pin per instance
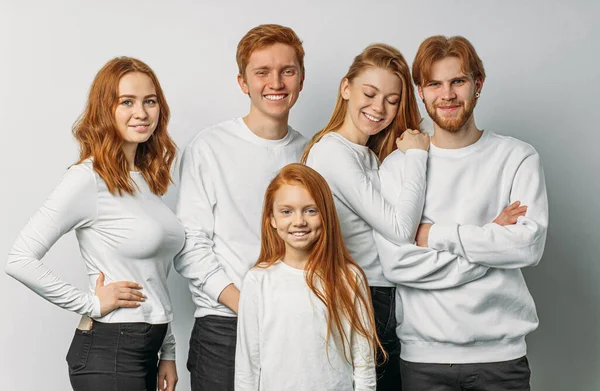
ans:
(377, 89)
(269, 68)
(133, 96)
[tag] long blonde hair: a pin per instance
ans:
(331, 273)
(383, 143)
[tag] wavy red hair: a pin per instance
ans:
(408, 117)
(98, 137)
(331, 273)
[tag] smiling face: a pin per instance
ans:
(449, 96)
(297, 220)
(373, 98)
(273, 80)
(137, 111)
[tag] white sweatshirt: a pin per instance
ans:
(282, 329)
(351, 170)
(128, 238)
(464, 299)
(225, 172)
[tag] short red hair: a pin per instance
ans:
(439, 47)
(266, 35)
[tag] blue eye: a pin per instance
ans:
(459, 81)
(286, 211)
(150, 102)
(127, 102)
(311, 211)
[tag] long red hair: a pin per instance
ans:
(98, 137)
(383, 143)
(331, 273)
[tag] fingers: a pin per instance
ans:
(127, 304)
(161, 381)
(131, 295)
(129, 284)
(100, 280)
(512, 206)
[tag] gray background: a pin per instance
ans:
(541, 59)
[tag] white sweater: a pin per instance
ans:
(351, 170)
(128, 238)
(282, 330)
(225, 172)
(464, 299)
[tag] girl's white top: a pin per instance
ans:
(281, 338)
(128, 238)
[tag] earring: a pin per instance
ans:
(477, 94)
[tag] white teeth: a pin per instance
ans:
(274, 97)
(371, 118)
(299, 234)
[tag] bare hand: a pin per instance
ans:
(230, 296)
(511, 213)
(413, 139)
(122, 294)
(167, 375)
(423, 235)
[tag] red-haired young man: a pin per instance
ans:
(464, 303)
(225, 171)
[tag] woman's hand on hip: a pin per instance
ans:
(122, 294)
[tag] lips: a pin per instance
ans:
(140, 128)
(299, 234)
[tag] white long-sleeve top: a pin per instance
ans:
(352, 172)
(128, 238)
(225, 171)
(464, 299)
(281, 338)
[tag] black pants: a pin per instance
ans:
(116, 356)
(384, 305)
(211, 359)
(510, 375)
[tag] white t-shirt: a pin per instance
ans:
(352, 172)
(282, 328)
(128, 238)
(225, 172)
(463, 299)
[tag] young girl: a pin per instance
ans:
(127, 235)
(376, 106)
(305, 317)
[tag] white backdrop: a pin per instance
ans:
(541, 58)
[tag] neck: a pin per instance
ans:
(295, 258)
(465, 136)
(350, 133)
(267, 127)
(129, 150)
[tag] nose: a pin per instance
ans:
(378, 105)
(299, 220)
(276, 81)
(140, 111)
(448, 92)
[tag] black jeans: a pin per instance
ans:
(211, 359)
(116, 356)
(510, 375)
(384, 305)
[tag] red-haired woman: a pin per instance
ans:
(376, 105)
(128, 237)
(305, 317)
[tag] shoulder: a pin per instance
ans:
(81, 175)
(296, 137)
(213, 134)
(331, 146)
(513, 146)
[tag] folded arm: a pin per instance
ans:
(510, 246)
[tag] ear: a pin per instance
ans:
(420, 90)
(273, 224)
(478, 84)
(345, 89)
(302, 82)
(242, 83)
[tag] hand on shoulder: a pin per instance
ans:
(413, 139)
